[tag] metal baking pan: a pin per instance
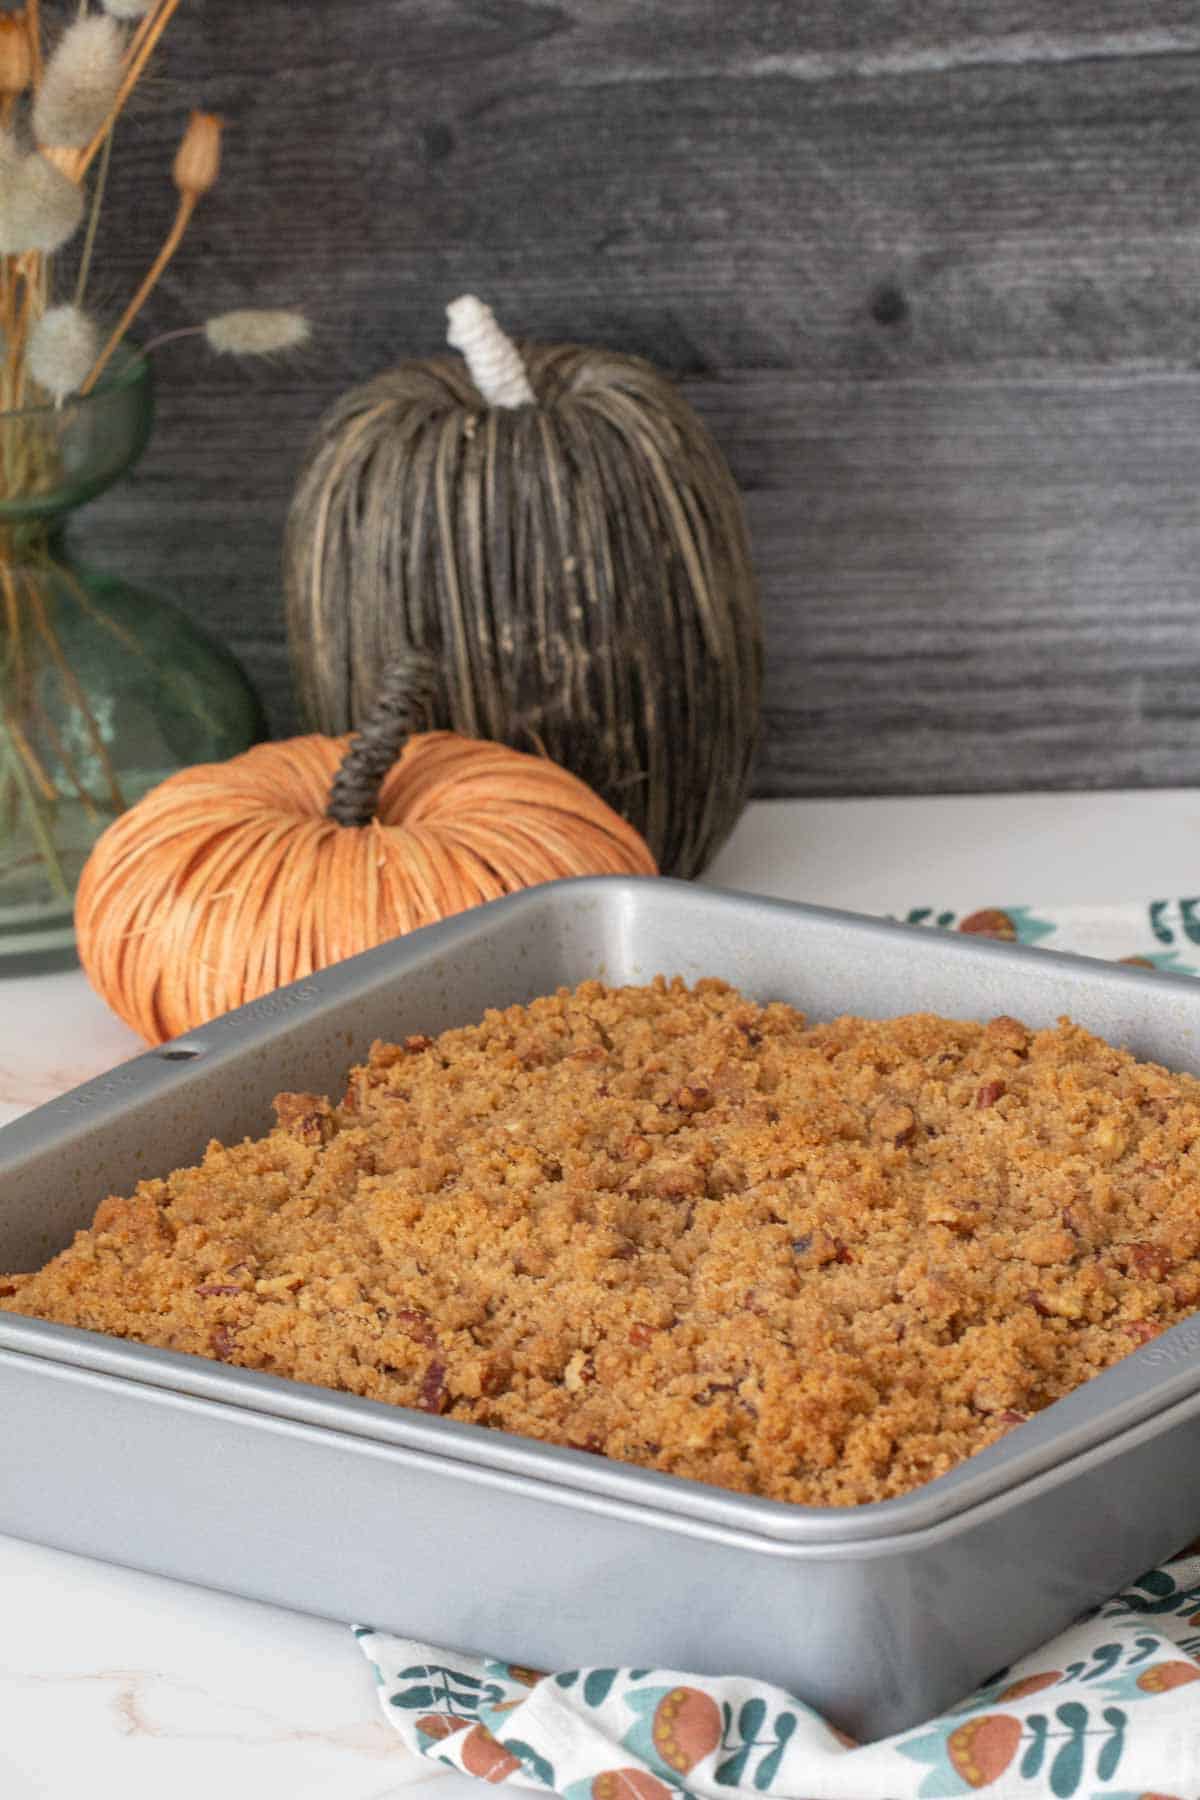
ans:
(878, 1615)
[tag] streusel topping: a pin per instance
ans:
(823, 1263)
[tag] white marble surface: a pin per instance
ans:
(119, 1684)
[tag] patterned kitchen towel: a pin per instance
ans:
(1108, 1711)
(1157, 934)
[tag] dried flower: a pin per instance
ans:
(80, 86)
(128, 9)
(197, 165)
(39, 208)
(16, 54)
(63, 345)
(198, 159)
(253, 332)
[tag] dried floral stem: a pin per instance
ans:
(171, 337)
(9, 727)
(139, 32)
(68, 762)
(33, 24)
(187, 206)
(29, 761)
(24, 316)
(93, 224)
(140, 51)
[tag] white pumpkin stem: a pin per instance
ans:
(491, 356)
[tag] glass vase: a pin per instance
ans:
(105, 689)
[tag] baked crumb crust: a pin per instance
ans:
(820, 1263)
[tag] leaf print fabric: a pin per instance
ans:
(1153, 934)
(1109, 1711)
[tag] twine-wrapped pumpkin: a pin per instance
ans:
(557, 529)
(231, 879)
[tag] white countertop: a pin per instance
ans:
(114, 1683)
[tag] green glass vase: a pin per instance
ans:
(105, 689)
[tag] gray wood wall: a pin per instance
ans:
(930, 268)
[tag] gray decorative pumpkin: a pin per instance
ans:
(555, 530)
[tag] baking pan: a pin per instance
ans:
(878, 1615)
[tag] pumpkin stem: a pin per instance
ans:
(408, 686)
(491, 356)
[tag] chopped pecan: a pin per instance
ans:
(223, 1342)
(989, 1093)
(416, 1325)
(417, 1042)
(954, 1215)
(640, 1334)
(1141, 1330)
(306, 1117)
(217, 1287)
(278, 1286)
(591, 1443)
(495, 1375)
(578, 1372)
(433, 1397)
(1150, 1260)
(692, 1099)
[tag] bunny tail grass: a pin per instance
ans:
(257, 332)
(63, 345)
(81, 83)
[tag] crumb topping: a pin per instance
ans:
(821, 1263)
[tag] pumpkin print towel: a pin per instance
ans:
(1109, 1711)
(1152, 934)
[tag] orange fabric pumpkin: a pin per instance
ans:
(230, 879)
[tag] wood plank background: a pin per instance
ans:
(930, 270)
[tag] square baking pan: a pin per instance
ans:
(878, 1615)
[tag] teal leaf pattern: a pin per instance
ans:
(532, 1760)
(1038, 1727)
(418, 1698)
(1110, 1754)
(1066, 1771)
(768, 1768)
(597, 1685)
